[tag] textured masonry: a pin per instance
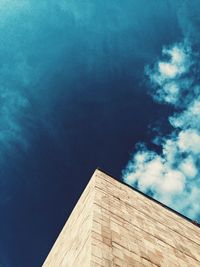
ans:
(114, 225)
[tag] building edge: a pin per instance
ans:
(196, 223)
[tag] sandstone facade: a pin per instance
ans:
(114, 225)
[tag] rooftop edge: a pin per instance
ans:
(196, 223)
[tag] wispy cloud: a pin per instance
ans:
(173, 175)
(41, 39)
(167, 75)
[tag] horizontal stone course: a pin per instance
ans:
(114, 225)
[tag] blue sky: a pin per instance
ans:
(86, 84)
(172, 176)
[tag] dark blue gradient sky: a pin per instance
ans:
(73, 97)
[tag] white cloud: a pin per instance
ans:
(173, 176)
(170, 150)
(168, 70)
(178, 63)
(165, 76)
(171, 92)
(188, 167)
(189, 118)
(189, 141)
(155, 174)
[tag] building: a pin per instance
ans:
(115, 225)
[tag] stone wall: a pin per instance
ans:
(114, 225)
